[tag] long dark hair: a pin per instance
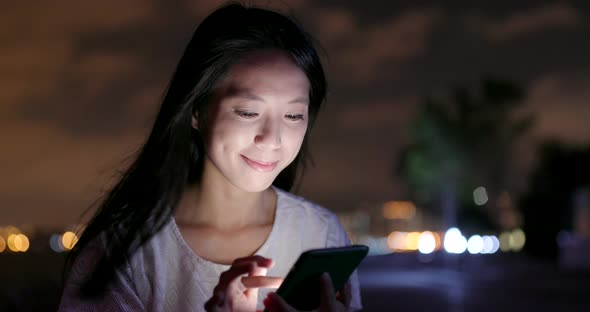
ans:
(146, 196)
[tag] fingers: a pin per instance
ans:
(262, 281)
(231, 287)
(259, 260)
(216, 302)
(252, 292)
(345, 294)
(274, 303)
(230, 278)
(253, 265)
(327, 297)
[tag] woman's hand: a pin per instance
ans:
(236, 292)
(328, 301)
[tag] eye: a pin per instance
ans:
(245, 114)
(295, 117)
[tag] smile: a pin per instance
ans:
(260, 166)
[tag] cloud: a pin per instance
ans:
(203, 8)
(40, 53)
(61, 18)
(359, 52)
(349, 170)
(41, 163)
(561, 103)
(554, 16)
(372, 116)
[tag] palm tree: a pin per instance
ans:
(460, 144)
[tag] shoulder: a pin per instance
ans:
(317, 221)
(297, 205)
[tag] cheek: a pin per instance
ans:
(229, 135)
(295, 138)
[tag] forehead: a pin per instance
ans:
(265, 73)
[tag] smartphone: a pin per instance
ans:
(301, 287)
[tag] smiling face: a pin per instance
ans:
(258, 120)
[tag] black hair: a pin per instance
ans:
(146, 196)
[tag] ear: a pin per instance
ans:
(195, 121)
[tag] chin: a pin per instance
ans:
(256, 185)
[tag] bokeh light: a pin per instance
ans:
(475, 244)
(21, 241)
(488, 244)
(2, 244)
(496, 244)
(10, 242)
(69, 240)
(454, 241)
(397, 240)
(517, 240)
(55, 243)
(377, 245)
(399, 210)
(426, 242)
(505, 241)
(412, 240)
(480, 196)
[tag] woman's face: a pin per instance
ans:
(258, 120)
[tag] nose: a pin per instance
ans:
(269, 136)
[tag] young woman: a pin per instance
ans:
(202, 219)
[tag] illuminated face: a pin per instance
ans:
(258, 120)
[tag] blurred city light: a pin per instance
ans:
(8, 230)
(488, 244)
(437, 240)
(55, 243)
(397, 240)
(505, 241)
(480, 196)
(399, 210)
(475, 244)
(517, 240)
(69, 240)
(412, 241)
(454, 241)
(512, 240)
(496, 244)
(21, 241)
(11, 243)
(426, 242)
(2, 244)
(377, 245)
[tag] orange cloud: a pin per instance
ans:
(370, 116)
(205, 7)
(560, 15)
(561, 105)
(358, 52)
(41, 163)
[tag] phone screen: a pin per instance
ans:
(301, 287)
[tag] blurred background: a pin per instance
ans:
(455, 141)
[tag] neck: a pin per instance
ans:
(223, 206)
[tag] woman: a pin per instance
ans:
(202, 219)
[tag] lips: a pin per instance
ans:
(260, 165)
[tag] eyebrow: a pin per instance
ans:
(253, 97)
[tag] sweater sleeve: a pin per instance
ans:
(118, 296)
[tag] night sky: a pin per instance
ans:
(80, 84)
